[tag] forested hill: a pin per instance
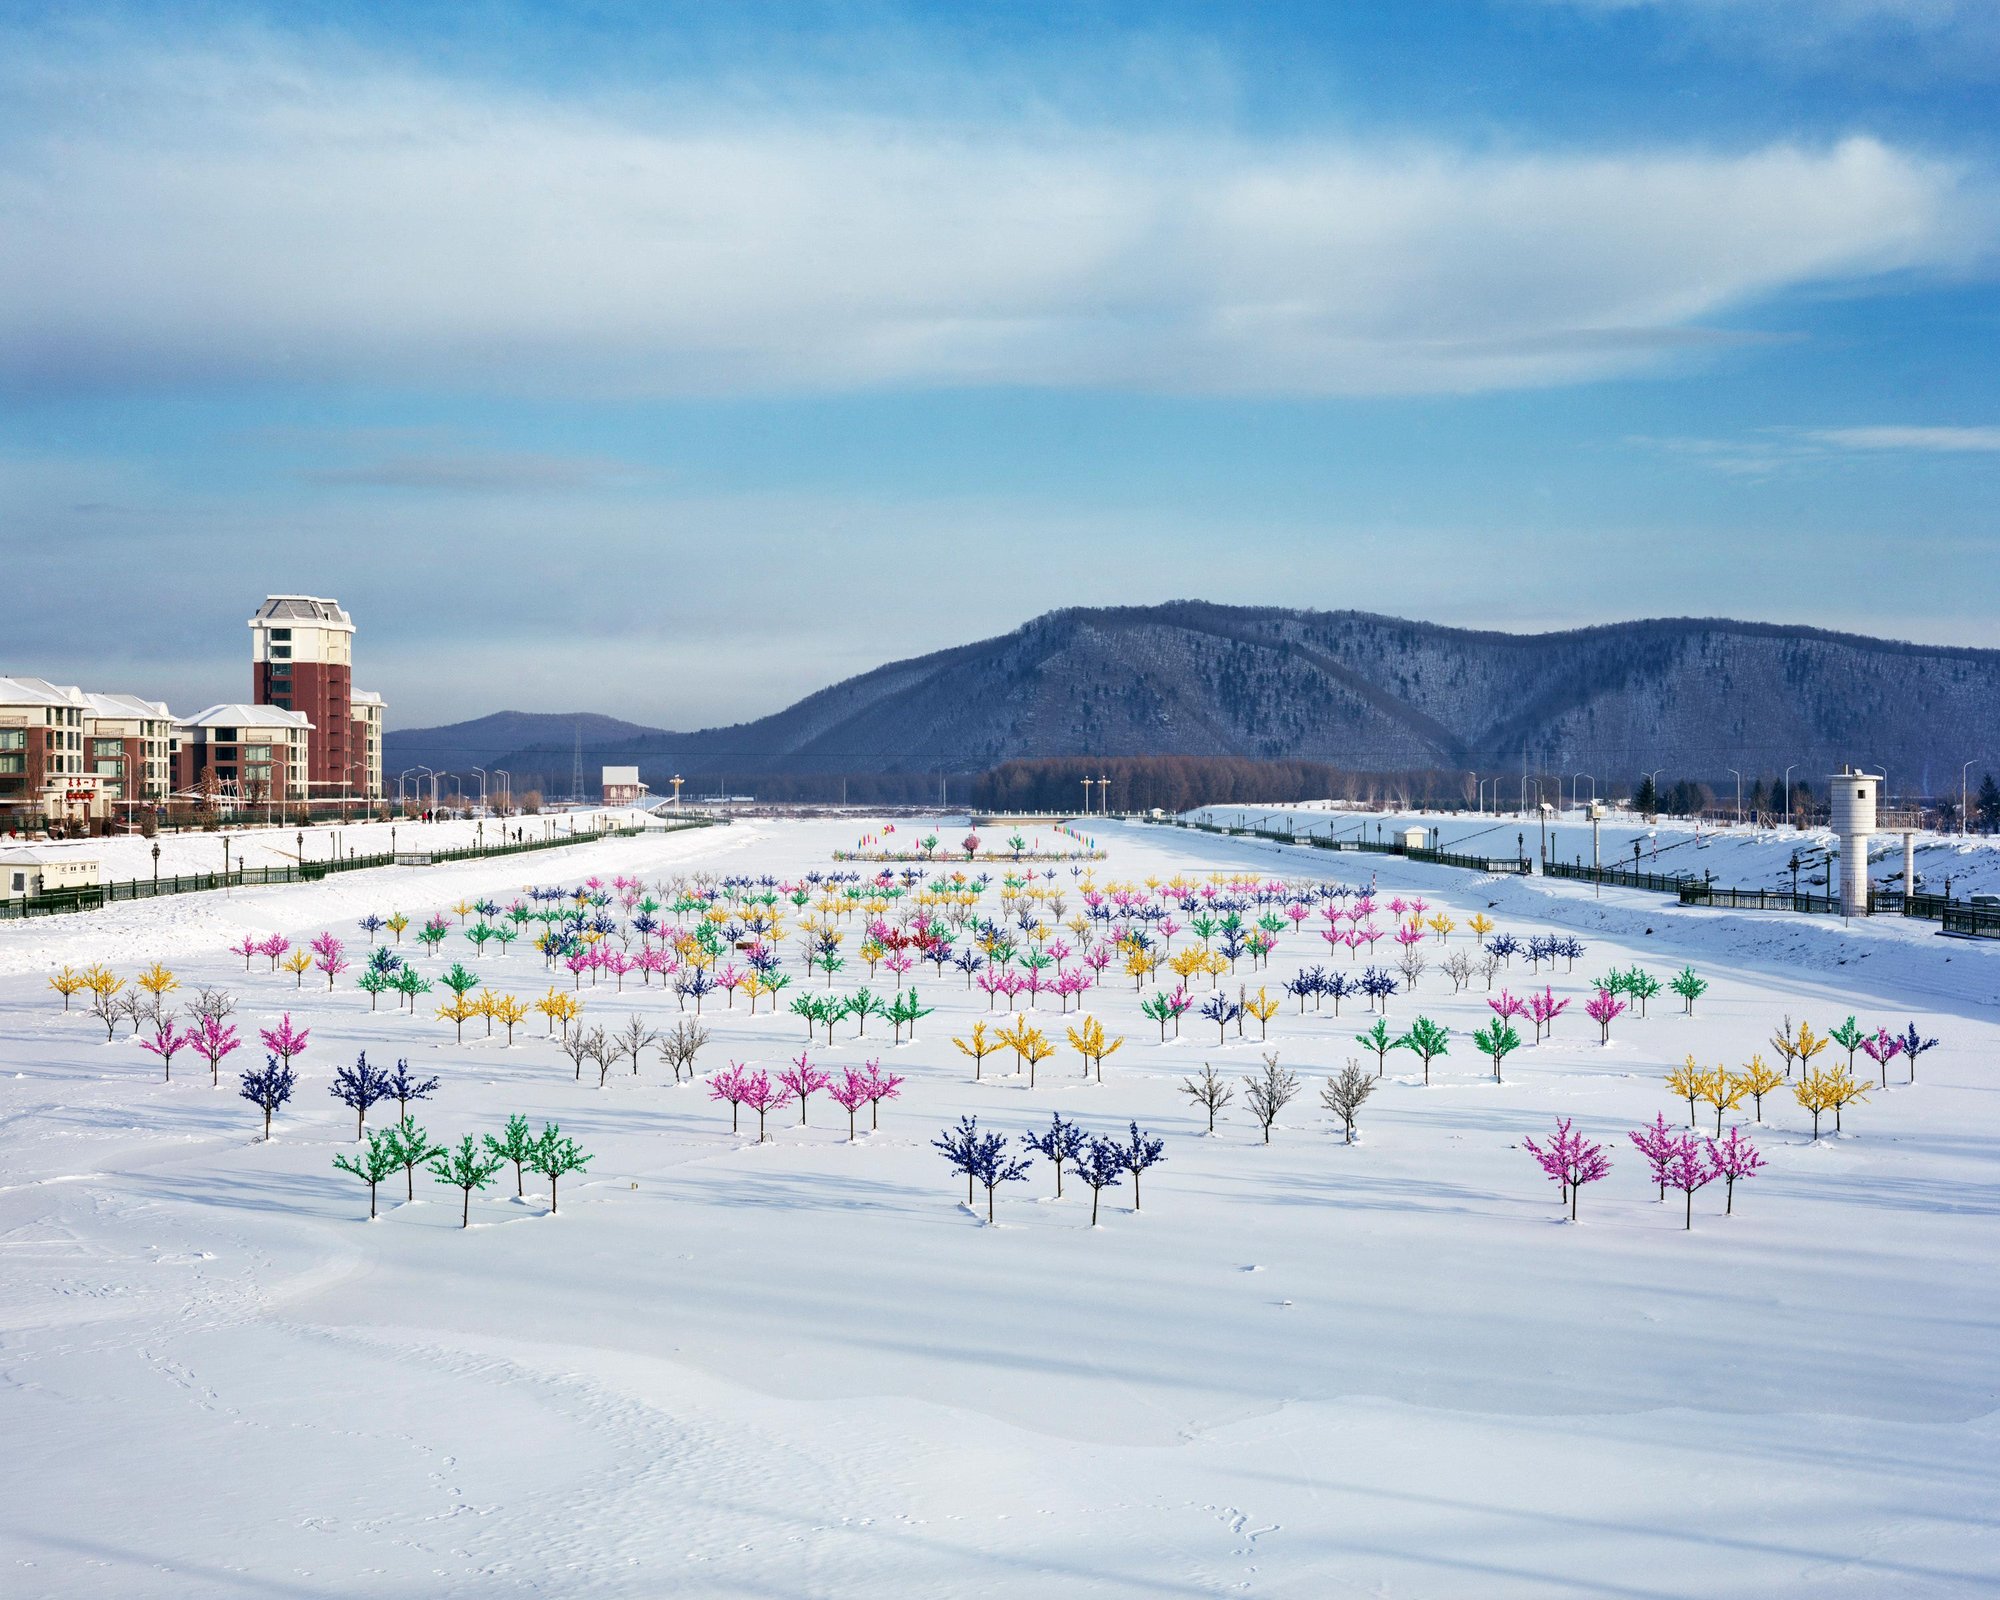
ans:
(1364, 692)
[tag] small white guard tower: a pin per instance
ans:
(1853, 796)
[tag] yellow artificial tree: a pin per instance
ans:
(66, 983)
(1759, 1079)
(1089, 1041)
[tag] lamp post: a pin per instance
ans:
(1573, 800)
(1963, 773)
(1788, 816)
(1653, 778)
(1104, 796)
(1739, 795)
(302, 853)
(225, 863)
(506, 790)
(482, 786)
(1087, 784)
(156, 866)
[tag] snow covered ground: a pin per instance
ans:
(805, 1368)
(1738, 857)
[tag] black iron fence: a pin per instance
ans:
(1375, 847)
(91, 897)
(1623, 877)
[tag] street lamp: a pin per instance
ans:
(1573, 800)
(1962, 797)
(1739, 794)
(156, 866)
(1088, 783)
(482, 786)
(1788, 813)
(1653, 782)
(506, 789)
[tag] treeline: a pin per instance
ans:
(1178, 783)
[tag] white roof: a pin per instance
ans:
(40, 692)
(625, 775)
(30, 858)
(302, 608)
(127, 705)
(364, 697)
(242, 716)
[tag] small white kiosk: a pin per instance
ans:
(25, 874)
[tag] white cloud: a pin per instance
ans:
(1952, 440)
(202, 218)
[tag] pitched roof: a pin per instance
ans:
(242, 716)
(302, 608)
(39, 692)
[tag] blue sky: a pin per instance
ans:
(674, 361)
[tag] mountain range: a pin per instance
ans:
(1698, 697)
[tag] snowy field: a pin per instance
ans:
(1738, 857)
(807, 1368)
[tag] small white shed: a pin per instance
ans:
(1416, 838)
(25, 874)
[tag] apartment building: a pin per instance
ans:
(128, 746)
(43, 773)
(366, 744)
(302, 660)
(253, 755)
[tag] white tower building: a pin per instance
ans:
(1853, 797)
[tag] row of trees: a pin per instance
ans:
(988, 1159)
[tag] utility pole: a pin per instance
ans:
(576, 768)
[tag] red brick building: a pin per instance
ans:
(302, 659)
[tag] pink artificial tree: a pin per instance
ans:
(1882, 1049)
(899, 962)
(273, 950)
(328, 957)
(850, 1094)
(1571, 1160)
(165, 1042)
(285, 1041)
(1732, 1158)
(1543, 1009)
(801, 1078)
(1507, 1007)
(1658, 1145)
(762, 1096)
(213, 1040)
(1603, 1009)
(881, 1086)
(617, 963)
(728, 1085)
(248, 948)
(1691, 1168)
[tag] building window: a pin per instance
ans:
(109, 769)
(12, 763)
(107, 747)
(281, 633)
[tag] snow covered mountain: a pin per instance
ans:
(1697, 696)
